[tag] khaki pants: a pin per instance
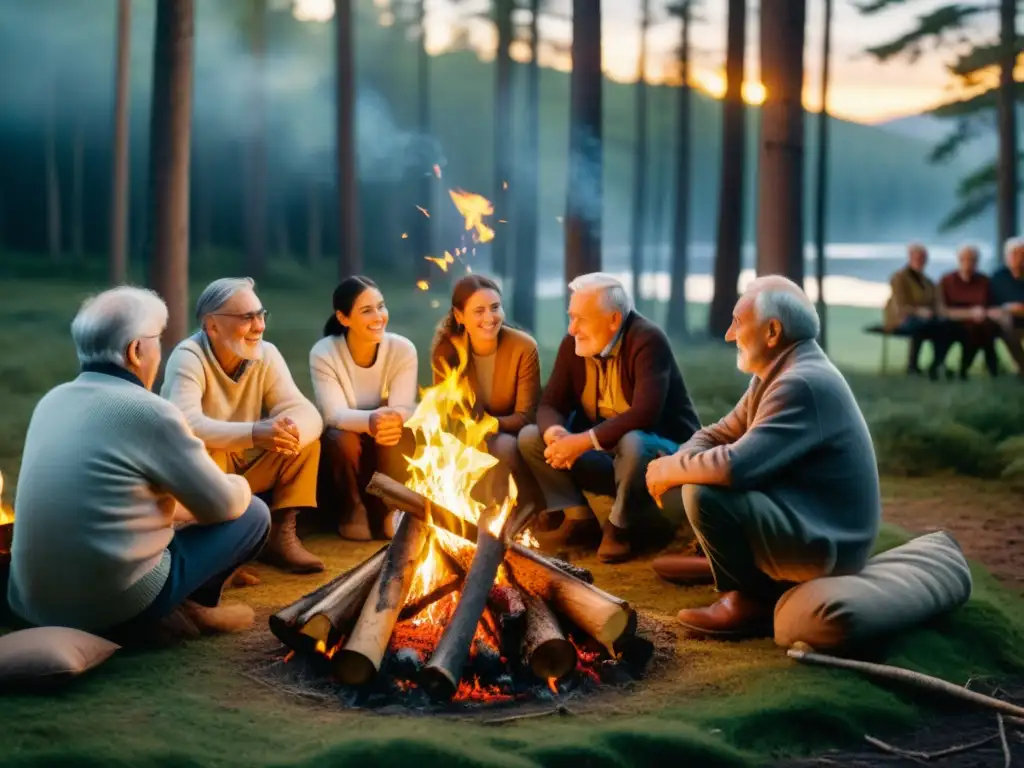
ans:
(291, 478)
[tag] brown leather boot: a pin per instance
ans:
(570, 533)
(355, 523)
(683, 569)
(732, 617)
(283, 548)
(615, 546)
(226, 617)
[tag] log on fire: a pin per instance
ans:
(507, 607)
(605, 617)
(440, 678)
(340, 598)
(546, 652)
(358, 661)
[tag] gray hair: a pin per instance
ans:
(1013, 244)
(108, 322)
(969, 247)
(613, 292)
(778, 298)
(218, 293)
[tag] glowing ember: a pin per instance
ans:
(553, 685)
(504, 185)
(422, 210)
(473, 208)
(439, 261)
(476, 692)
(405, 235)
(437, 170)
(423, 285)
(6, 515)
(449, 259)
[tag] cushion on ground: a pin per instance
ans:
(48, 657)
(900, 588)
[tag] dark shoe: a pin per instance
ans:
(283, 548)
(615, 546)
(572, 533)
(170, 630)
(683, 569)
(224, 618)
(732, 617)
(355, 523)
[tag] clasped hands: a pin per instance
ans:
(279, 434)
(564, 447)
(386, 426)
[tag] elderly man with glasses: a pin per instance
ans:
(239, 397)
(106, 466)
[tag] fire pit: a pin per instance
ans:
(458, 607)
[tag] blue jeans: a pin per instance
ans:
(620, 472)
(204, 556)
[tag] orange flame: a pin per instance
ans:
(6, 515)
(441, 262)
(473, 208)
(553, 685)
(423, 285)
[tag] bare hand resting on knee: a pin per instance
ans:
(386, 426)
(279, 434)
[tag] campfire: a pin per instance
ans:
(6, 534)
(459, 606)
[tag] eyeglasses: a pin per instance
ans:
(247, 317)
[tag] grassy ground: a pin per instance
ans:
(729, 704)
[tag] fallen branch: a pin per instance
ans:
(561, 709)
(899, 674)
(913, 754)
(1007, 757)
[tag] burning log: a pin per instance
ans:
(412, 608)
(545, 650)
(506, 604)
(605, 617)
(440, 678)
(350, 587)
(359, 660)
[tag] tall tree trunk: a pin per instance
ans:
(314, 225)
(585, 198)
(636, 246)
(170, 126)
(729, 239)
(77, 171)
(256, 149)
(350, 252)
(421, 227)
(524, 300)
(1007, 173)
(661, 183)
(503, 136)
(676, 323)
(780, 215)
(118, 270)
(821, 176)
(53, 206)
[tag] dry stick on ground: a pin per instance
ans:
(888, 672)
(1007, 758)
(913, 754)
(561, 709)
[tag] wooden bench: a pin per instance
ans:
(881, 330)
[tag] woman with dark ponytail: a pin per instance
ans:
(503, 368)
(364, 379)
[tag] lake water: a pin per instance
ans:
(856, 274)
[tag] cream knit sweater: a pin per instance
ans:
(223, 411)
(103, 463)
(346, 393)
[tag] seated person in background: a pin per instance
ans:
(915, 307)
(967, 296)
(104, 464)
(615, 400)
(1008, 296)
(364, 383)
(785, 488)
(503, 370)
(239, 398)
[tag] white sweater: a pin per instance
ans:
(346, 394)
(223, 411)
(103, 463)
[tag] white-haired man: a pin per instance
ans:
(104, 461)
(615, 400)
(239, 397)
(784, 488)
(1008, 295)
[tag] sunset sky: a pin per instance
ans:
(861, 89)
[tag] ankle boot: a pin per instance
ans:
(283, 548)
(223, 618)
(355, 522)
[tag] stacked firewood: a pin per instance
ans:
(351, 619)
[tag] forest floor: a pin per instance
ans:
(716, 704)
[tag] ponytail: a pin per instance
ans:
(333, 327)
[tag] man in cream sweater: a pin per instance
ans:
(104, 462)
(240, 399)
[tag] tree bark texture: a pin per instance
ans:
(350, 252)
(121, 172)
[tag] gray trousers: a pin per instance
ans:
(620, 473)
(750, 542)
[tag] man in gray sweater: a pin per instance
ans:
(105, 467)
(785, 488)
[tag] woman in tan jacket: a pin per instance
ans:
(503, 369)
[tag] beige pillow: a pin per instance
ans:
(46, 657)
(896, 590)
